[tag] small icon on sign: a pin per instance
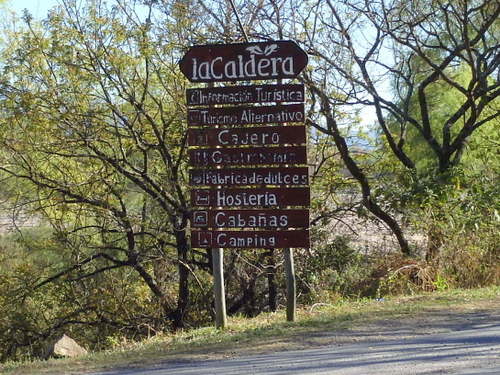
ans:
(201, 139)
(200, 158)
(256, 50)
(200, 218)
(202, 198)
(194, 116)
(204, 239)
(196, 180)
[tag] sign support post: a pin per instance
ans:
(291, 299)
(219, 290)
(218, 274)
(291, 295)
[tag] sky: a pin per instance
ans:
(38, 8)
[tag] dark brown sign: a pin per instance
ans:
(278, 114)
(246, 94)
(249, 176)
(250, 239)
(270, 219)
(245, 198)
(247, 156)
(243, 61)
(254, 136)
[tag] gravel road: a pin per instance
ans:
(434, 343)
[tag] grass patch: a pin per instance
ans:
(265, 333)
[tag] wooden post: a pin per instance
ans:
(218, 271)
(291, 300)
(219, 292)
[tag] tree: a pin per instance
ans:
(94, 122)
(383, 55)
(361, 46)
(442, 36)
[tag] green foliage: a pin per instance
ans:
(332, 270)
(89, 310)
(93, 101)
(92, 98)
(444, 100)
(466, 224)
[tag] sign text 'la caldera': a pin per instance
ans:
(243, 61)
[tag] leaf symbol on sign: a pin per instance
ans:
(255, 50)
(270, 49)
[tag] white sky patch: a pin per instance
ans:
(37, 8)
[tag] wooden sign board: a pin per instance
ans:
(249, 239)
(205, 157)
(251, 198)
(243, 61)
(278, 114)
(236, 95)
(240, 219)
(249, 176)
(254, 136)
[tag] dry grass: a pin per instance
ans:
(315, 325)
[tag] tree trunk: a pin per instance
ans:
(271, 281)
(368, 200)
(357, 172)
(183, 286)
(246, 301)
